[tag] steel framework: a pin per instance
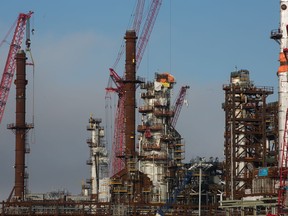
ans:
(245, 135)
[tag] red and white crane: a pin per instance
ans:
(146, 31)
(178, 105)
(10, 65)
(118, 138)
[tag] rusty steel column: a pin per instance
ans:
(129, 93)
(20, 126)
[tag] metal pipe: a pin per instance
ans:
(200, 188)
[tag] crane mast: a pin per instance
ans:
(118, 140)
(138, 15)
(147, 29)
(10, 65)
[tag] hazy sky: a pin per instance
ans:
(75, 42)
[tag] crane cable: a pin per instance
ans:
(33, 93)
(8, 33)
(33, 136)
(32, 63)
(110, 109)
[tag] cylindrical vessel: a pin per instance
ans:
(282, 76)
(129, 92)
(20, 125)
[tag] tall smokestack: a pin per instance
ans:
(129, 93)
(20, 127)
(20, 83)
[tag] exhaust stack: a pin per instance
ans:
(129, 93)
(20, 128)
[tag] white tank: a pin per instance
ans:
(104, 190)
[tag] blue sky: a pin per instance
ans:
(75, 42)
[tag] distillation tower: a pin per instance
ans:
(280, 35)
(98, 183)
(160, 145)
(250, 138)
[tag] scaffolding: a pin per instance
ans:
(98, 184)
(159, 156)
(250, 134)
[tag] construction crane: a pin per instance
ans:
(118, 134)
(10, 65)
(118, 138)
(178, 105)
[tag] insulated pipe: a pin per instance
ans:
(282, 77)
(20, 126)
(129, 93)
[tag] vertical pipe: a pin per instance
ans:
(20, 125)
(200, 188)
(282, 76)
(129, 93)
(232, 161)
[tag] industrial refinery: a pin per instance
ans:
(141, 169)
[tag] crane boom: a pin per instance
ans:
(138, 15)
(143, 39)
(10, 65)
(118, 138)
(178, 104)
(117, 81)
(147, 29)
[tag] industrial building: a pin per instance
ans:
(250, 140)
(160, 145)
(97, 186)
(145, 174)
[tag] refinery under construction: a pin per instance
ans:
(145, 173)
